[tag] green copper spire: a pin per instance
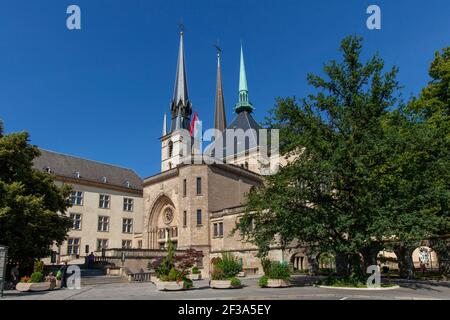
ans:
(243, 104)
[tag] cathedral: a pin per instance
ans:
(194, 204)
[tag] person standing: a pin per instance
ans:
(64, 275)
(91, 260)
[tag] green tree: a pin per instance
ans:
(30, 203)
(431, 112)
(325, 197)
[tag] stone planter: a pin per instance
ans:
(277, 283)
(194, 276)
(221, 284)
(170, 285)
(40, 286)
(154, 279)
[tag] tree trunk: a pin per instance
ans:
(404, 259)
(342, 265)
(370, 254)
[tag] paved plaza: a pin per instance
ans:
(251, 290)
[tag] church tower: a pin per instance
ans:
(176, 141)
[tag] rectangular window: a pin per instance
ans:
(102, 244)
(103, 224)
(184, 187)
(184, 218)
(104, 201)
(199, 186)
(76, 221)
(128, 204)
(199, 217)
(220, 229)
(126, 244)
(215, 230)
(73, 246)
(127, 225)
(76, 198)
(140, 244)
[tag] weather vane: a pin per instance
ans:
(219, 49)
(181, 25)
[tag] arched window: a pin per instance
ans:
(170, 149)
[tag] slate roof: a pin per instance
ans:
(68, 166)
(244, 121)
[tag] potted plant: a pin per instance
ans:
(224, 272)
(276, 275)
(36, 282)
(195, 274)
(170, 277)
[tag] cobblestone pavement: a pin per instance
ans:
(147, 291)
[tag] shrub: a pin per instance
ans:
(38, 266)
(235, 282)
(188, 283)
(173, 275)
(195, 270)
(229, 265)
(218, 274)
(263, 281)
(167, 263)
(36, 277)
(278, 270)
(59, 275)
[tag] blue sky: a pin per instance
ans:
(101, 92)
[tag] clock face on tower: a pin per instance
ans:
(168, 215)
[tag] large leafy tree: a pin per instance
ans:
(30, 202)
(431, 113)
(325, 198)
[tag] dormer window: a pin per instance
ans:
(104, 180)
(48, 170)
(77, 174)
(127, 183)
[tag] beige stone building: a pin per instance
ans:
(107, 204)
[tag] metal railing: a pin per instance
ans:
(140, 277)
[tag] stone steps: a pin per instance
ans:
(97, 280)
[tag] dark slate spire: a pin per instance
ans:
(220, 121)
(181, 108)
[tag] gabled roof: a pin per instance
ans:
(83, 169)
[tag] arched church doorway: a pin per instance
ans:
(162, 223)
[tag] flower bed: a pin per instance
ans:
(37, 282)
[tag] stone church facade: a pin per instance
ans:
(196, 205)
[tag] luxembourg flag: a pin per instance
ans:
(195, 126)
